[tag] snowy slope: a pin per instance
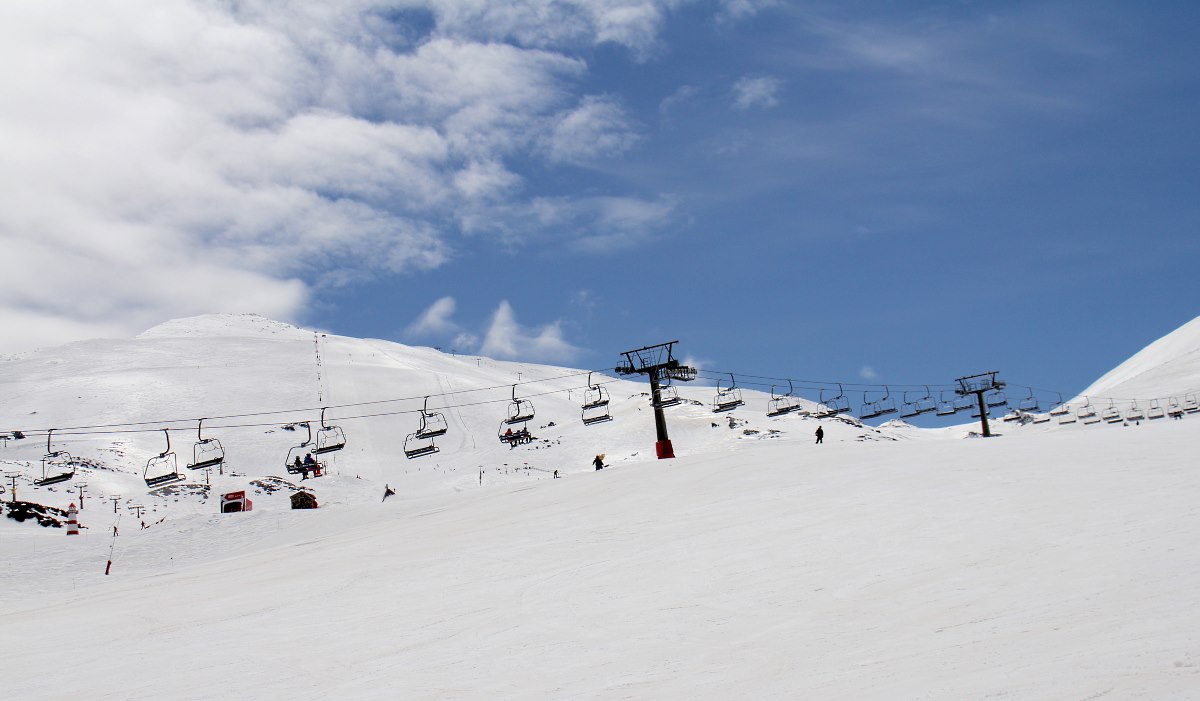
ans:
(251, 377)
(892, 564)
(1169, 367)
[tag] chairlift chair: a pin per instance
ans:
(595, 404)
(519, 410)
(207, 452)
(1190, 404)
(1060, 409)
(909, 409)
(668, 395)
(964, 403)
(295, 457)
(728, 398)
(995, 398)
(1087, 413)
(1029, 404)
(162, 468)
(506, 434)
(945, 407)
(1135, 413)
(1067, 418)
(839, 403)
(595, 396)
(927, 404)
(880, 407)
(1155, 411)
(416, 445)
(1111, 415)
(1174, 409)
(780, 404)
(1041, 418)
(329, 438)
(433, 423)
(57, 465)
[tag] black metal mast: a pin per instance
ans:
(978, 385)
(657, 362)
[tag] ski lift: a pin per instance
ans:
(433, 423)
(296, 457)
(965, 402)
(57, 465)
(1111, 415)
(329, 438)
(837, 404)
(508, 435)
(1134, 413)
(781, 404)
(595, 396)
(927, 404)
(162, 468)
(1029, 404)
(1190, 404)
(416, 445)
(1060, 409)
(668, 395)
(995, 398)
(883, 405)
(1174, 410)
(1041, 418)
(909, 409)
(595, 404)
(1155, 411)
(728, 398)
(945, 407)
(1087, 413)
(520, 410)
(207, 452)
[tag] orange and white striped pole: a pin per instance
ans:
(72, 520)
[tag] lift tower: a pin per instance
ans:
(657, 362)
(979, 385)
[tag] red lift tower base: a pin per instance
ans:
(664, 450)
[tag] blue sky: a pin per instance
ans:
(870, 192)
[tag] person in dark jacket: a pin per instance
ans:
(599, 462)
(820, 435)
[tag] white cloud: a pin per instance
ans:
(750, 92)
(633, 24)
(436, 320)
(596, 128)
(741, 9)
(868, 373)
(169, 157)
(505, 338)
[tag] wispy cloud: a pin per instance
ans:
(596, 128)
(504, 337)
(868, 373)
(435, 321)
(756, 91)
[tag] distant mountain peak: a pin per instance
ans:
(224, 324)
(1168, 367)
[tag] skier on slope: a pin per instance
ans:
(599, 461)
(387, 492)
(820, 435)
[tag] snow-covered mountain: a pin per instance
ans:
(1167, 369)
(254, 380)
(887, 563)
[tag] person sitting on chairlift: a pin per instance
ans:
(297, 463)
(308, 459)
